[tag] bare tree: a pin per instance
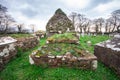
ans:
(5, 20)
(81, 21)
(115, 19)
(99, 24)
(108, 25)
(95, 21)
(86, 26)
(3, 11)
(32, 26)
(8, 21)
(20, 27)
(73, 17)
(118, 28)
(5, 23)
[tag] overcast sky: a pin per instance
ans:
(38, 12)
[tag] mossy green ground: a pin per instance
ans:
(20, 69)
(17, 35)
(65, 36)
(59, 49)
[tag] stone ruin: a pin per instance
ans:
(40, 34)
(59, 23)
(109, 53)
(7, 50)
(61, 50)
(27, 43)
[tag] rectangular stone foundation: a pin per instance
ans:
(109, 53)
(62, 61)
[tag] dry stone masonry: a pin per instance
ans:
(109, 53)
(62, 51)
(7, 50)
(59, 23)
(27, 43)
(66, 60)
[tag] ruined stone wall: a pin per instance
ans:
(27, 43)
(67, 60)
(59, 23)
(7, 52)
(109, 53)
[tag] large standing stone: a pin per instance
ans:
(109, 53)
(59, 23)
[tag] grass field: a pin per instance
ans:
(17, 35)
(20, 69)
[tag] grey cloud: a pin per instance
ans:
(29, 12)
(95, 3)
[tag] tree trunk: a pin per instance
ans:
(118, 28)
(106, 27)
(114, 25)
(114, 28)
(96, 28)
(6, 28)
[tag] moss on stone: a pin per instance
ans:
(60, 49)
(63, 37)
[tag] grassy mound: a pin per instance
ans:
(60, 49)
(61, 44)
(63, 38)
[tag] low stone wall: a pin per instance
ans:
(109, 53)
(27, 43)
(67, 60)
(63, 41)
(7, 52)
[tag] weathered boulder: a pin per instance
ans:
(109, 53)
(59, 23)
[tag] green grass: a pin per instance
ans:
(20, 69)
(59, 49)
(94, 40)
(19, 35)
(65, 36)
